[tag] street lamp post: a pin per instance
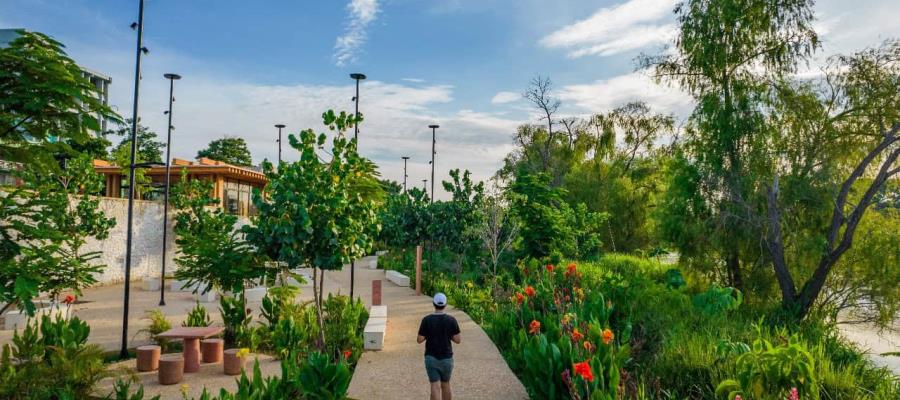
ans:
(162, 275)
(405, 158)
(425, 185)
(139, 26)
(433, 143)
(357, 77)
(279, 126)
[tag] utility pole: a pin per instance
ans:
(162, 275)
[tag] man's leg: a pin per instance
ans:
(445, 391)
(436, 391)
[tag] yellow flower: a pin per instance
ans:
(469, 284)
(243, 352)
(184, 390)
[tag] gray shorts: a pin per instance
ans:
(438, 370)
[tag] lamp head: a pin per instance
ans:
(279, 126)
(358, 76)
(405, 157)
(172, 76)
(434, 126)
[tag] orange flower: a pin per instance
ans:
(571, 269)
(583, 369)
(347, 354)
(69, 299)
(519, 298)
(549, 268)
(607, 336)
(576, 335)
(534, 327)
(529, 291)
(588, 345)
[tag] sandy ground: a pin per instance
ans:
(875, 343)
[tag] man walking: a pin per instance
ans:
(437, 330)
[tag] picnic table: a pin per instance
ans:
(191, 337)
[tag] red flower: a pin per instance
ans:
(347, 354)
(576, 335)
(529, 291)
(549, 268)
(69, 299)
(608, 336)
(588, 346)
(519, 298)
(794, 395)
(534, 327)
(583, 369)
(571, 269)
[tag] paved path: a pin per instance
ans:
(397, 371)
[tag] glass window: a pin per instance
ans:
(232, 205)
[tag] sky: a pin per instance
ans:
(462, 64)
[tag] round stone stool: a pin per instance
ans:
(171, 369)
(233, 364)
(148, 358)
(211, 350)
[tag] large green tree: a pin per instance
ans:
(725, 53)
(44, 226)
(318, 213)
(231, 150)
(45, 101)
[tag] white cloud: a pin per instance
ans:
(612, 30)
(606, 94)
(505, 97)
(361, 14)
(413, 80)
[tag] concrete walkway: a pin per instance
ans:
(398, 371)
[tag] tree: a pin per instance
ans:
(725, 53)
(539, 93)
(149, 148)
(231, 150)
(211, 251)
(316, 213)
(45, 101)
(859, 111)
(44, 225)
(497, 230)
(453, 222)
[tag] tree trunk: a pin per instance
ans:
(733, 264)
(317, 300)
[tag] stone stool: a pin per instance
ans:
(171, 369)
(211, 350)
(233, 364)
(148, 358)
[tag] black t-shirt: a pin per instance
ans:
(437, 330)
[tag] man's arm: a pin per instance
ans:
(455, 332)
(455, 338)
(420, 339)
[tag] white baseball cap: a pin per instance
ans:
(440, 300)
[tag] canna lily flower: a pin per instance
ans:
(576, 335)
(519, 298)
(738, 397)
(588, 345)
(469, 284)
(549, 268)
(243, 352)
(583, 369)
(607, 336)
(347, 354)
(571, 269)
(69, 299)
(529, 291)
(794, 395)
(184, 390)
(534, 327)
(579, 293)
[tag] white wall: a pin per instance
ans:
(146, 248)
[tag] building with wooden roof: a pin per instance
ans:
(232, 185)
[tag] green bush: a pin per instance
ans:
(236, 318)
(197, 317)
(158, 324)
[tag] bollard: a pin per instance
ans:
(376, 292)
(418, 270)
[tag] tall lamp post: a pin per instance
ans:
(425, 185)
(405, 158)
(357, 77)
(162, 275)
(433, 143)
(139, 26)
(279, 126)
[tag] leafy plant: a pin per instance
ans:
(323, 379)
(122, 390)
(236, 318)
(197, 317)
(158, 324)
(718, 300)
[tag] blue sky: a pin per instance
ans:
(460, 63)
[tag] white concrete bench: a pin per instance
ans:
(370, 262)
(255, 294)
(181, 286)
(150, 284)
(378, 312)
(398, 278)
(208, 297)
(16, 319)
(373, 334)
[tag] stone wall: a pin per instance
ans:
(146, 250)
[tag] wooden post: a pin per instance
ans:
(376, 292)
(418, 270)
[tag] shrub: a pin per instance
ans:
(197, 317)
(236, 318)
(158, 324)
